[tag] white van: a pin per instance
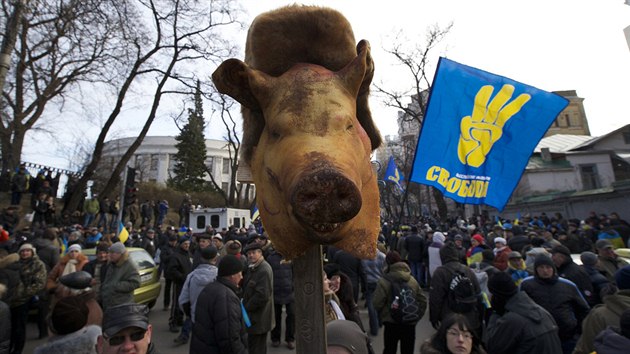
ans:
(218, 218)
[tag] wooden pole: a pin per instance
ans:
(309, 302)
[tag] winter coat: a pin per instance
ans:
(414, 244)
(82, 341)
(47, 252)
(179, 266)
(600, 317)
(438, 295)
(91, 206)
(203, 275)
(33, 274)
(165, 258)
(610, 341)
(383, 294)
(121, 279)
(525, 327)
(501, 258)
(282, 279)
(258, 297)
(373, 268)
(219, 327)
(52, 283)
(567, 306)
(573, 272)
(598, 281)
(5, 327)
(433, 252)
(609, 266)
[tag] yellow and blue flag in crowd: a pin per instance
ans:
(393, 174)
(255, 212)
(478, 133)
(123, 233)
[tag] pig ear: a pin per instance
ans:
(352, 75)
(362, 46)
(237, 80)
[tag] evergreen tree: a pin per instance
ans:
(190, 159)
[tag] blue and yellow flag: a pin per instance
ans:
(478, 133)
(392, 174)
(123, 234)
(255, 212)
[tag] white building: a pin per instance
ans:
(154, 161)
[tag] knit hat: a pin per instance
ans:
(117, 247)
(458, 237)
(500, 240)
(347, 334)
(75, 247)
(117, 318)
(478, 238)
(438, 237)
(562, 250)
(514, 254)
(502, 284)
(543, 259)
(622, 278)
(27, 246)
(229, 265)
(208, 253)
(588, 258)
(602, 244)
(393, 257)
(69, 315)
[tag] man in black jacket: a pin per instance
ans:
(561, 256)
(219, 326)
(518, 324)
(179, 265)
(283, 296)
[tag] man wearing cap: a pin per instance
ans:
(597, 278)
(560, 297)
(179, 266)
(607, 314)
(518, 324)
(126, 329)
(98, 267)
(517, 268)
(217, 241)
(204, 274)
(219, 326)
(609, 261)
(203, 241)
(258, 298)
(165, 257)
(121, 279)
(567, 269)
(32, 280)
(149, 243)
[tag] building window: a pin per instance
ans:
(590, 179)
(154, 162)
(209, 163)
(226, 166)
(626, 138)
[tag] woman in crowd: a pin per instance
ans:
(73, 261)
(453, 337)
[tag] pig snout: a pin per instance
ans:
(324, 199)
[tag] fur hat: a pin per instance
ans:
(500, 240)
(502, 284)
(622, 278)
(229, 265)
(69, 315)
(588, 258)
(117, 247)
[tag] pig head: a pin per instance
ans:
(311, 165)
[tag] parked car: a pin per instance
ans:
(150, 286)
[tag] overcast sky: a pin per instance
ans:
(550, 44)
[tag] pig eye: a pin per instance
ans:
(350, 127)
(274, 134)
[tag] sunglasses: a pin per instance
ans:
(118, 340)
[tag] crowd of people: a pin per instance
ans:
(488, 286)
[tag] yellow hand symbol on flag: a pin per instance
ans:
(485, 126)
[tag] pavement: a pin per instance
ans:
(163, 338)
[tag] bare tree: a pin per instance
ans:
(416, 61)
(184, 32)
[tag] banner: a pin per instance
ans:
(392, 174)
(479, 132)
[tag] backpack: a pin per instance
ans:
(404, 307)
(462, 297)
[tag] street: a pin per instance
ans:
(164, 339)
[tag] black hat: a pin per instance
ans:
(117, 318)
(69, 315)
(229, 265)
(562, 250)
(543, 259)
(209, 252)
(501, 284)
(252, 246)
(588, 258)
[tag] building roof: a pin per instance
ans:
(560, 143)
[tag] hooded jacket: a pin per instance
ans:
(524, 328)
(610, 341)
(602, 316)
(383, 294)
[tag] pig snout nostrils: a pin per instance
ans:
(326, 197)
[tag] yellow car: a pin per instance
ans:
(150, 286)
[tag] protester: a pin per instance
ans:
(501, 253)
(179, 266)
(283, 297)
(219, 325)
(72, 262)
(454, 336)
(258, 298)
(121, 279)
(609, 261)
(373, 272)
(598, 280)
(126, 329)
(567, 269)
